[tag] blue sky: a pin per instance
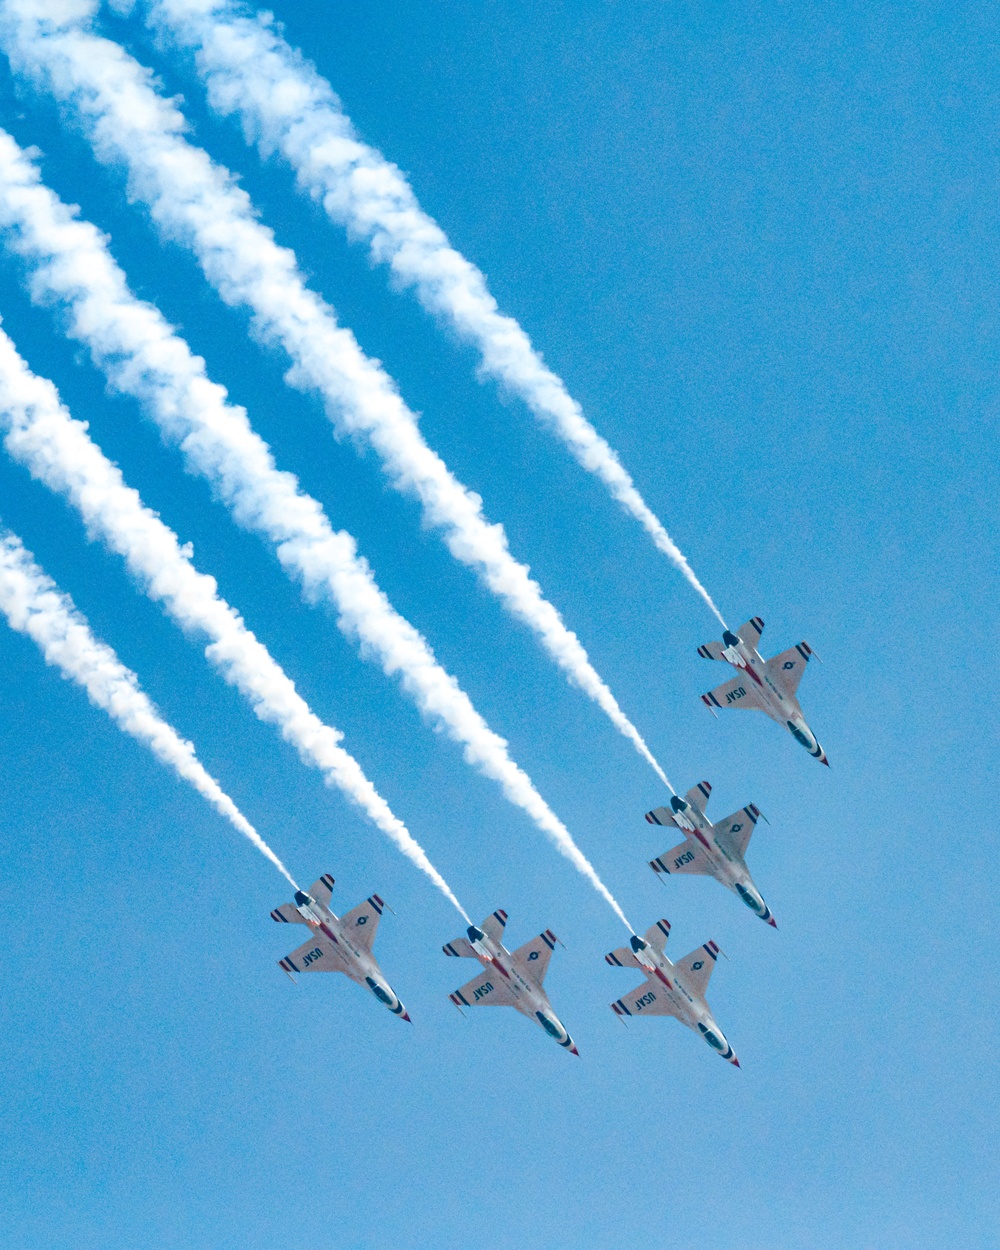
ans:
(760, 245)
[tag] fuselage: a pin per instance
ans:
(359, 963)
(784, 708)
(689, 1007)
(530, 999)
(724, 861)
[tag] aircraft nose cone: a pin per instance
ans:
(406, 1016)
(573, 1050)
(735, 1062)
(772, 922)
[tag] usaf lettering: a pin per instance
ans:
(686, 858)
(733, 695)
(312, 956)
(644, 1001)
(484, 989)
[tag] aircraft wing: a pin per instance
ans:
(738, 827)
(650, 999)
(533, 957)
(696, 968)
(786, 669)
(488, 989)
(317, 955)
(697, 796)
(688, 857)
(362, 921)
(740, 692)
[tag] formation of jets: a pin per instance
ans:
(515, 978)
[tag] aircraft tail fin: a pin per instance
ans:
(656, 935)
(750, 631)
(661, 816)
(322, 890)
(494, 925)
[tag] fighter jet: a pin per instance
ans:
(711, 850)
(671, 989)
(768, 685)
(341, 944)
(511, 979)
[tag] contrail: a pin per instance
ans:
(71, 265)
(285, 106)
(197, 203)
(34, 605)
(40, 434)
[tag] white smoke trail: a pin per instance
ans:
(196, 202)
(129, 339)
(40, 434)
(34, 605)
(284, 105)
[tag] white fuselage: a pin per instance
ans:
(530, 999)
(689, 1007)
(723, 860)
(359, 964)
(784, 708)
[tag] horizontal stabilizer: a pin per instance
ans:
(696, 968)
(486, 990)
(656, 935)
(289, 914)
(711, 651)
(460, 947)
(322, 890)
(750, 631)
(738, 828)
(494, 925)
(533, 957)
(740, 692)
(316, 955)
(786, 669)
(650, 999)
(687, 857)
(623, 957)
(661, 816)
(361, 924)
(697, 796)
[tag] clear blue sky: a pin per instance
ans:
(761, 245)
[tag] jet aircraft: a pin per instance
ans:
(671, 989)
(338, 944)
(510, 979)
(711, 850)
(768, 685)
